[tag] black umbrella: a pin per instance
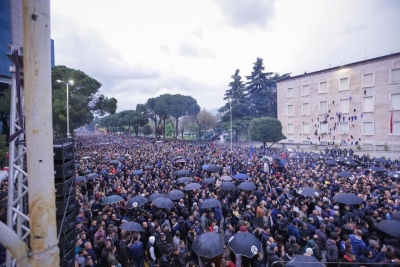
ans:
(376, 169)
(138, 172)
(135, 202)
(209, 180)
(79, 179)
(304, 261)
(276, 157)
(163, 203)
(390, 227)
(92, 176)
(308, 192)
(148, 167)
(345, 174)
(208, 245)
(394, 174)
(344, 159)
(121, 159)
(348, 198)
(183, 180)
(245, 244)
(175, 194)
(113, 162)
(209, 203)
(192, 186)
(227, 186)
(213, 168)
(154, 196)
(395, 216)
(86, 172)
(247, 186)
(182, 172)
(111, 200)
(380, 160)
(331, 162)
(351, 163)
(132, 227)
(240, 176)
(226, 178)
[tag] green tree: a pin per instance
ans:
(261, 91)
(146, 130)
(179, 106)
(205, 121)
(84, 99)
(3, 146)
(266, 129)
(5, 101)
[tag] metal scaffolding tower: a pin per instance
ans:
(17, 213)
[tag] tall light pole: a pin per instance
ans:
(230, 110)
(70, 82)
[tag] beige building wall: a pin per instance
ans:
(350, 103)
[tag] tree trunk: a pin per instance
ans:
(176, 127)
(163, 125)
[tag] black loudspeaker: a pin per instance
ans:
(63, 149)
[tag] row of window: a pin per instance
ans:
(368, 80)
(367, 128)
(368, 105)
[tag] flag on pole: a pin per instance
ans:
(391, 123)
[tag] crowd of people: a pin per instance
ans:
(277, 211)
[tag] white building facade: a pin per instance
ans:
(350, 104)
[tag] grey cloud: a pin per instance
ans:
(164, 48)
(187, 49)
(247, 13)
(352, 28)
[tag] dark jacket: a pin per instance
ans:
(166, 261)
(322, 239)
(273, 257)
(332, 253)
(136, 251)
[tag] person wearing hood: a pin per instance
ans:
(357, 243)
(332, 253)
(151, 251)
(273, 256)
(348, 258)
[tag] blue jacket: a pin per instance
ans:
(294, 231)
(358, 245)
(136, 251)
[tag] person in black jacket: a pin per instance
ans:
(332, 253)
(167, 259)
(273, 258)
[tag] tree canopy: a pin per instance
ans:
(266, 129)
(84, 99)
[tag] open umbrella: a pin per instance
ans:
(208, 245)
(209, 180)
(79, 179)
(183, 180)
(276, 157)
(245, 244)
(394, 174)
(135, 202)
(121, 159)
(92, 176)
(192, 186)
(113, 162)
(247, 186)
(227, 186)
(304, 261)
(240, 176)
(213, 168)
(226, 178)
(345, 174)
(380, 160)
(86, 172)
(351, 163)
(148, 167)
(205, 166)
(395, 216)
(132, 227)
(163, 203)
(138, 172)
(182, 172)
(344, 159)
(86, 157)
(175, 194)
(154, 196)
(390, 227)
(348, 198)
(209, 203)
(111, 200)
(376, 169)
(331, 162)
(181, 161)
(308, 192)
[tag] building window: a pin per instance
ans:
(323, 87)
(368, 104)
(323, 128)
(395, 102)
(290, 110)
(395, 76)
(344, 84)
(306, 128)
(306, 90)
(323, 107)
(344, 128)
(368, 80)
(344, 106)
(368, 128)
(396, 127)
(290, 128)
(306, 109)
(290, 93)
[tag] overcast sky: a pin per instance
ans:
(140, 49)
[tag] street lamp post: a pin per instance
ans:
(67, 83)
(230, 110)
